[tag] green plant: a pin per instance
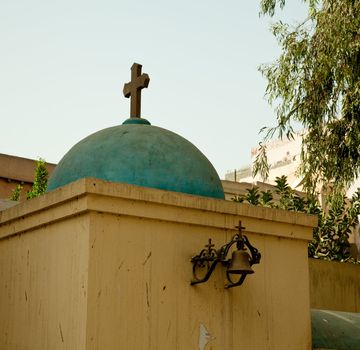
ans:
(40, 181)
(16, 193)
(331, 236)
(254, 197)
(315, 82)
(266, 198)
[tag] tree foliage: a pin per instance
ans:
(15, 196)
(40, 181)
(316, 82)
(331, 236)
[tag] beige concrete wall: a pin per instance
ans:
(110, 266)
(334, 285)
(43, 287)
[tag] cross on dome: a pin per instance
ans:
(133, 89)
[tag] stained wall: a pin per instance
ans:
(98, 265)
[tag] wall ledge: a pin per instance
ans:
(90, 194)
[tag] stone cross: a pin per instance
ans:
(133, 89)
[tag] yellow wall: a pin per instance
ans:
(334, 285)
(43, 287)
(108, 266)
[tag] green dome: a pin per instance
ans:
(140, 154)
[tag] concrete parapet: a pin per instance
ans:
(99, 265)
(334, 285)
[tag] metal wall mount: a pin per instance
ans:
(239, 264)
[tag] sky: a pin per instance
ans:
(63, 65)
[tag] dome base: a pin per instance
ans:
(136, 121)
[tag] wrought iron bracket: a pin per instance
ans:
(209, 257)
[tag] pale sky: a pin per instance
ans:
(63, 65)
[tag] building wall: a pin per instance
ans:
(283, 159)
(334, 285)
(97, 265)
(43, 287)
(7, 186)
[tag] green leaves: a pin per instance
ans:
(16, 193)
(253, 197)
(268, 6)
(316, 82)
(336, 220)
(261, 165)
(40, 181)
(331, 236)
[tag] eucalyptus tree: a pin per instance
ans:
(316, 82)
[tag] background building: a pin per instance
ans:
(283, 157)
(17, 171)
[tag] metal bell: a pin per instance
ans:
(240, 263)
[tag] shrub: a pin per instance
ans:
(331, 236)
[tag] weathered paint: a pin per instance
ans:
(140, 154)
(204, 337)
(335, 330)
(98, 265)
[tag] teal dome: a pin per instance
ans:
(140, 154)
